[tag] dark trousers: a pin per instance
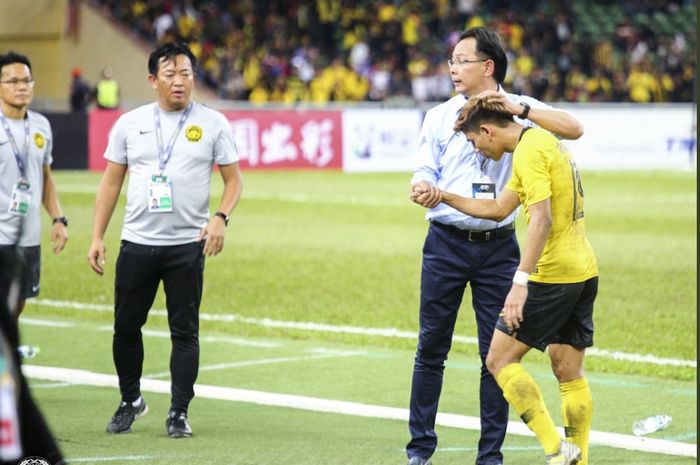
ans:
(450, 261)
(140, 268)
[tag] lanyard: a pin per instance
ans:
(165, 154)
(13, 143)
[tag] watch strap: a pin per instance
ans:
(223, 216)
(526, 110)
(60, 219)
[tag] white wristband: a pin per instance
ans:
(521, 277)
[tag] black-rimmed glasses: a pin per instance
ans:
(451, 62)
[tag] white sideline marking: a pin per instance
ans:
(295, 197)
(40, 322)
(225, 339)
(314, 404)
(111, 459)
(267, 361)
(229, 340)
(240, 341)
(384, 332)
(50, 385)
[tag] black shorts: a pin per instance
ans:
(31, 269)
(556, 314)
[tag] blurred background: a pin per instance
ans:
(359, 50)
(627, 64)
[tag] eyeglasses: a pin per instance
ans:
(451, 62)
(16, 82)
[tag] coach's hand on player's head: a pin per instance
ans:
(96, 256)
(213, 236)
(494, 96)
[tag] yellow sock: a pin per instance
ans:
(576, 411)
(521, 391)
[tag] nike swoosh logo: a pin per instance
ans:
(4, 142)
(145, 131)
(35, 288)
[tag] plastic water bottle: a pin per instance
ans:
(651, 424)
(27, 352)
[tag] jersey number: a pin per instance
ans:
(578, 191)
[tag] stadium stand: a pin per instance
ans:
(361, 50)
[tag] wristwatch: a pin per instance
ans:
(60, 219)
(526, 110)
(223, 216)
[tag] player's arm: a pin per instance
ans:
(496, 209)
(106, 200)
(561, 123)
(49, 198)
(537, 232)
(213, 233)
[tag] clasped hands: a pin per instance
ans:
(425, 194)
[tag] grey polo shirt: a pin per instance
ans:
(206, 138)
(40, 143)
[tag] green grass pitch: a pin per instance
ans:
(340, 249)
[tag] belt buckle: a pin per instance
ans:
(480, 236)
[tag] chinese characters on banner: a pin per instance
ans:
(288, 139)
(281, 139)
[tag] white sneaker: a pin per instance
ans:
(569, 454)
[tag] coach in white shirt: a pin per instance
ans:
(461, 250)
(169, 148)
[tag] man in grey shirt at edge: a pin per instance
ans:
(26, 180)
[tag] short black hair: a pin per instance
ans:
(11, 58)
(168, 51)
(489, 43)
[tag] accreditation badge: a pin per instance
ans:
(20, 199)
(483, 190)
(160, 194)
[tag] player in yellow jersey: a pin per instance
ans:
(551, 302)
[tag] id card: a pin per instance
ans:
(160, 194)
(20, 199)
(483, 190)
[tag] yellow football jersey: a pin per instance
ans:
(543, 168)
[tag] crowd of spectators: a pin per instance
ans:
(382, 50)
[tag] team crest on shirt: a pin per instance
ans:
(193, 133)
(39, 140)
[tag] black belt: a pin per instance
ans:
(477, 236)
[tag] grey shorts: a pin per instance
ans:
(556, 314)
(31, 270)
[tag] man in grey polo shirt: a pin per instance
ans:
(169, 148)
(26, 181)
